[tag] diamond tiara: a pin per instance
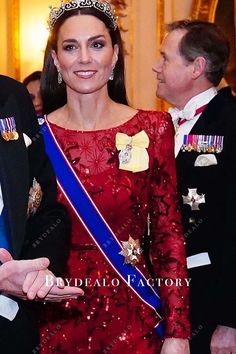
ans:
(103, 6)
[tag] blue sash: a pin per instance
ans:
(4, 241)
(96, 226)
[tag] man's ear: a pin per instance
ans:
(199, 67)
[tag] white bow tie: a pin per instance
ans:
(177, 114)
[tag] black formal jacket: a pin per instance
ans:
(46, 232)
(212, 229)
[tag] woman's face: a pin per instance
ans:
(34, 90)
(85, 55)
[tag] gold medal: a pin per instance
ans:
(11, 135)
(15, 135)
(8, 129)
(6, 136)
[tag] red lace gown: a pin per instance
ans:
(111, 318)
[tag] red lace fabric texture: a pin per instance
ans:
(110, 318)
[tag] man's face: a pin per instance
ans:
(174, 74)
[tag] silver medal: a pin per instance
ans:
(193, 199)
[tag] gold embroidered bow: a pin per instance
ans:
(133, 155)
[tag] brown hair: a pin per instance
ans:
(54, 94)
(207, 40)
(36, 75)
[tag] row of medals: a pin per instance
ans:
(10, 135)
(203, 143)
(203, 149)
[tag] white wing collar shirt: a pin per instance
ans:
(190, 116)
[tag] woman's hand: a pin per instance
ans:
(175, 346)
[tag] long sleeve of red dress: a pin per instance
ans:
(167, 242)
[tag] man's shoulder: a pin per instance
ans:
(6, 81)
(10, 88)
(226, 94)
(9, 85)
(223, 104)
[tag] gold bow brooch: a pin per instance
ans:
(133, 155)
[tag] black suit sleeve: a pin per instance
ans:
(47, 231)
(226, 290)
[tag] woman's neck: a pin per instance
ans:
(88, 111)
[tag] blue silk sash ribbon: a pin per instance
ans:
(4, 240)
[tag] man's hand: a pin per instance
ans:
(26, 279)
(13, 273)
(36, 287)
(69, 292)
(223, 340)
(35, 284)
(175, 346)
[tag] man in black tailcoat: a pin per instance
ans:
(194, 56)
(33, 225)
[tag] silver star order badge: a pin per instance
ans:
(131, 251)
(193, 198)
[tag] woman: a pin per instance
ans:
(32, 83)
(124, 160)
